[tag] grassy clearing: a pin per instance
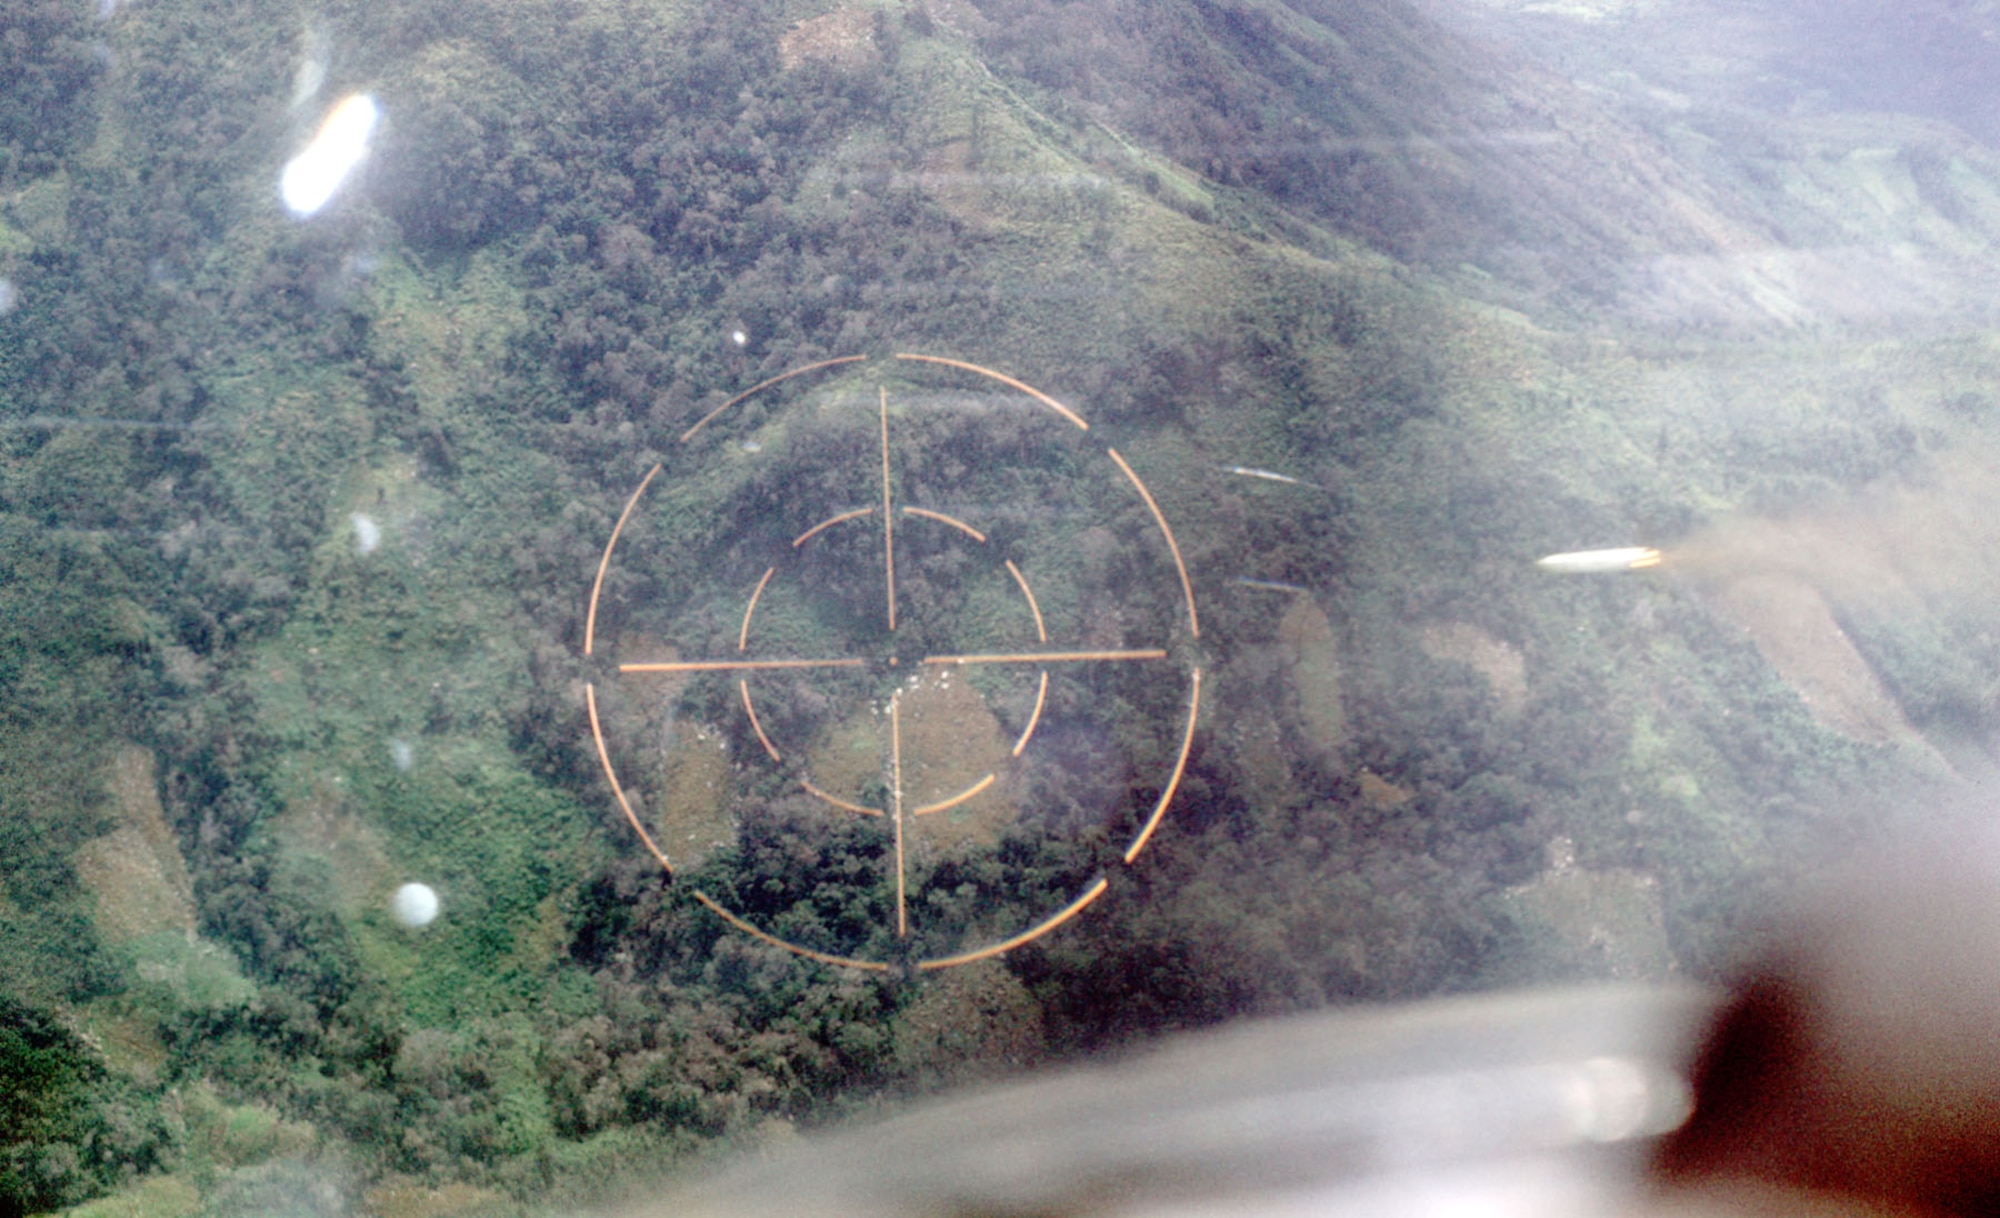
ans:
(174, 1196)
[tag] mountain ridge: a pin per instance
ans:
(1441, 345)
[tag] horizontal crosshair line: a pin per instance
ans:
(1044, 657)
(732, 665)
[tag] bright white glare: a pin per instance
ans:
(367, 534)
(1611, 1099)
(305, 84)
(414, 905)
(403, 754)
(738, 337)
(313, 176)
(1265, 474)
(1527, 1187)
(8, 297)
(1599, 562)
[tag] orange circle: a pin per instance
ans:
(1041, 657)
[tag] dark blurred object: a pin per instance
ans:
(1861, 1057)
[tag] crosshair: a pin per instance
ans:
(884, 649)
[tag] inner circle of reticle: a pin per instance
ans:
(886, 515)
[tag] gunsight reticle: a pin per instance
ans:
(876, 637)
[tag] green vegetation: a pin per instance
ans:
(71, 1129)
(305, 514)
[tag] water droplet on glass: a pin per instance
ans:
(367, 534)
(414, 905)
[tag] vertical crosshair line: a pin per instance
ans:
(888, 517)
(896, 803)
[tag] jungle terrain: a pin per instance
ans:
(300, 519)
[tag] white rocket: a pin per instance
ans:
(1600, 562)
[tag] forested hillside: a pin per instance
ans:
(299, 521)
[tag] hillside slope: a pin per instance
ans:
(303, 517)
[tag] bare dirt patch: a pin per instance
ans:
(1914, 549)
(406, 1198)
(1794, 627)
(951, 740)
(322, 822)
(1381, 794)
(1284, 702)
(694, 801)
(1306, 639)
(1607, 924)
(136, 871)
(844, 37)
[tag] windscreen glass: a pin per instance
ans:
(587, 584)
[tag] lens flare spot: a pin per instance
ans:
(313, 176)
(367, 534)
